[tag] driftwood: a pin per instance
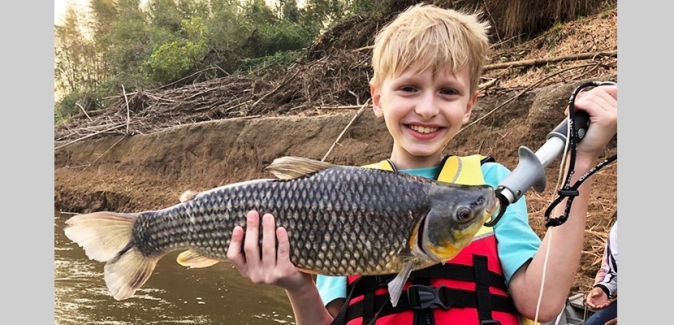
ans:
(128, 114)
(543, 61)
(89, 136)
(359, 113)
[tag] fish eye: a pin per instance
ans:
(463, 214)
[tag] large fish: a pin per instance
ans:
(340, 220)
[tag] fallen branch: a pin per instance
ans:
(363, 48)
(106, 151)
(535, 62)
(83, 111)
(340, 107)
(127, 110)
(89, 136)
(359, 113)
(487, 84)
(523, 91)
(275, 89)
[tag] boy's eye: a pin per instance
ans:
(408, 89)
(449, 91)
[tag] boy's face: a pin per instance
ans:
(423, 113)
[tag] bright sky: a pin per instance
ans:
(60, 6)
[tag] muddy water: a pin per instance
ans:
(172, 295)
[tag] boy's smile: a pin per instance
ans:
(423, 112)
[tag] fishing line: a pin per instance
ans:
(547, 249)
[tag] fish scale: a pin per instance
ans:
(340, 220)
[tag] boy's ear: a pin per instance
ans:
(376, 101)
(469, 108)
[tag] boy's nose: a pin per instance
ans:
(427, 108)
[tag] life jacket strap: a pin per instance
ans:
(421, 296)
(448, 271)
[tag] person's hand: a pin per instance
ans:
(601, 103)
(613, 321)
(272, 265)
(597, 298)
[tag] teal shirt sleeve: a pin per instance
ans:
(331, 287)
(517, 242)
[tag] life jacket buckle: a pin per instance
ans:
(424, 297)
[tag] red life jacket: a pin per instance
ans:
(469, 289)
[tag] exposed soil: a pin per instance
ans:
(222, 131)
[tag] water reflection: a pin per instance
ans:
(172, 295)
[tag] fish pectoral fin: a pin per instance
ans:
(293, 167)
(187, 195)
(194, 259)
(395, 287)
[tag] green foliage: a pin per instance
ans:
(283, 36)
(120, 42)
(173, 60)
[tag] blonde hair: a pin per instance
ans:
(433, 38)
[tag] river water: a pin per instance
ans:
(172, 295)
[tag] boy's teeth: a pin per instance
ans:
(423, 129)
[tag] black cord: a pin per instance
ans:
(570, 192)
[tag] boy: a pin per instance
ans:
(427, 65)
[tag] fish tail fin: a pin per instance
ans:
(107, 237)
(128, 272)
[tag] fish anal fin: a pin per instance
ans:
(187, 195)
(309, 271)
(293, 167)
(193, 259)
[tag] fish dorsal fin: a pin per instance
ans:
(194, 259)
(187, 195)
(293, 167)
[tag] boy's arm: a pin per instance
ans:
(566, 241)
(307, 304)
(272, 265)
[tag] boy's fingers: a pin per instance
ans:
(611, 90)
(283, 244)
(251, 241)
(268, 242)
(234, 249)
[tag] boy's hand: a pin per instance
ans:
(272, 265)
(597, 298)
(613, 321)
(601, 103)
